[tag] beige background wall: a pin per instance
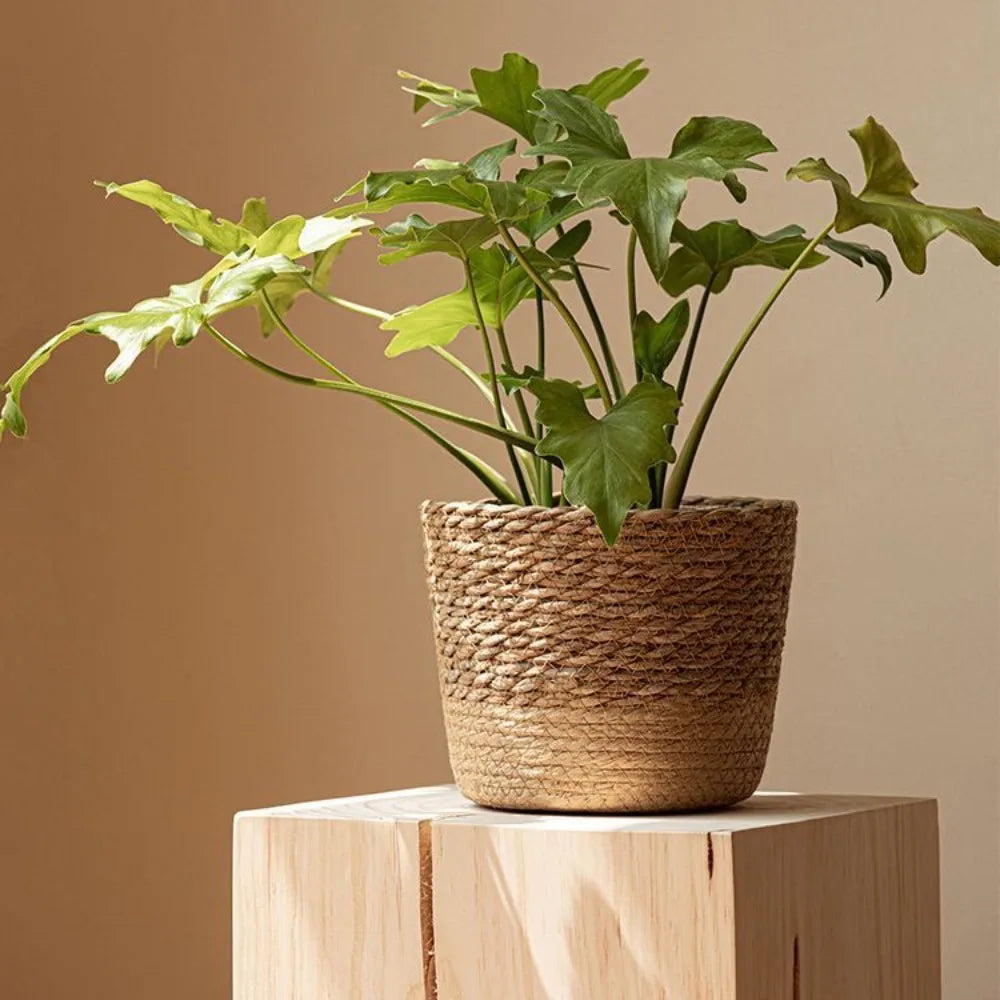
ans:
(212, 591)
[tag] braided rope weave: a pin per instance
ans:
(577, 677)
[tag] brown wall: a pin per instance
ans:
(212, 589)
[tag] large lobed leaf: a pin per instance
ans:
(887, 201)
(606, 460)
(647, 191)
(177, 316)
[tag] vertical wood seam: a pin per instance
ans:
(426, 876)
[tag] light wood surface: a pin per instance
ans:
(420, 895)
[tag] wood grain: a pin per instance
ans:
(420, 895)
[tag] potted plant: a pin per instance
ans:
(604, 642)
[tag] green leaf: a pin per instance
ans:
(245, 280)
(655, 343)
(195, 224)
(713, 252)
(646, 191)
(606, 460)
(501, 285)
(486, 164)
(861, 254)
(612, 84)
(571, 242)
(454, 100)
(499, 201)
(255, 217)
(727, 142)
(507, 94)
(591, 133)
(512, 379)
(177, 316)
(887, 201)
(415, 236)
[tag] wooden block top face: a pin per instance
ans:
(445, 804)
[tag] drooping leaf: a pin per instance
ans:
(713, 252)
(612, 84)
(887, 201)
(646, 191)
(500, 284)
(861, 254)
(415, 236)
(176, 316)
(605, 460)
(655, 343)
(195, 224)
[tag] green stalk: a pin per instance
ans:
(494, 384)
(522, 407)
(568, 318)
(677, 484)
(346, 303)
(595, 318)
(487, 475)
(514, 438)
(544, 465)
(380, 314)
(633, 307)
(692, 344)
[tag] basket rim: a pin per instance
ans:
(694, 506)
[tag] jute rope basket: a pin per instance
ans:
(577, 677)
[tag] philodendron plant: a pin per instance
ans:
(512, 217)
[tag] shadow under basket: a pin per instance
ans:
(582, 678)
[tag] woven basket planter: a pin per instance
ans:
(577, 677)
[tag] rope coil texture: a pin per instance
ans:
(581, 678)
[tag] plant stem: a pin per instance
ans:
(595, 319)
(512, 437)
(298, 342)
(633, 306)
(544, 465)
(677, 483)
(568, 318)
(380, 314)
(492, 372)
(346, 303)
(692, 344)
(522, 407)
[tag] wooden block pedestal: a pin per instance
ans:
(419, 895)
